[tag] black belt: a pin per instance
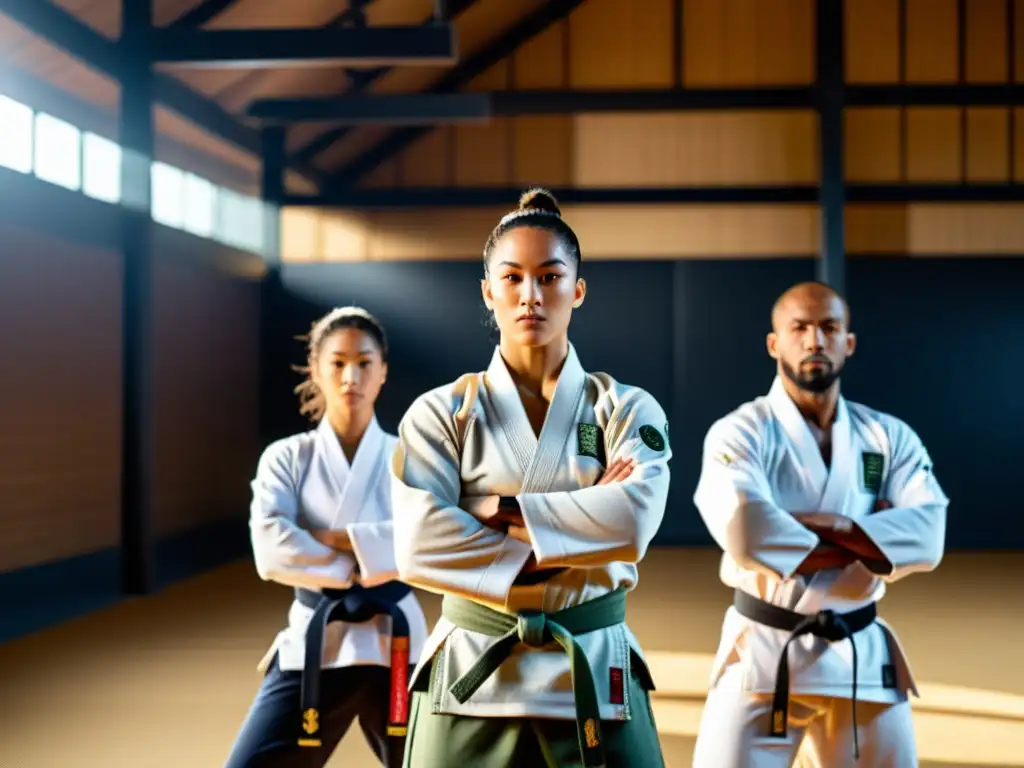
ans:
(827, 625)
(355, 605)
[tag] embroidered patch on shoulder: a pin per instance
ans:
(591, 441)
(872, 464)
(652, 438)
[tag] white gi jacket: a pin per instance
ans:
(303, 483)
(471, 439)
(761, 462)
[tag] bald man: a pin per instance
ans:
(818, 504)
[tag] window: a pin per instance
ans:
(200, 205)
(225, 206)
(58, 152)
(15, 136)
(101, 168)
(167, 187)
(62, 154)
(250, 224)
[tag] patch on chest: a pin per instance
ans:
(871, 474)
(652, 438)
(590, 439)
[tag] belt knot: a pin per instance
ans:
(532, 628)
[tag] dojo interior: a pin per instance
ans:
(185, 185)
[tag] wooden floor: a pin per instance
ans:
(164, 682)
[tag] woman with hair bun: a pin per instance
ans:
(526, 495)
(321, 524)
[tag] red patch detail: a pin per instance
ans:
(616, 694)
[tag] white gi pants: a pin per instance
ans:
(735, 725)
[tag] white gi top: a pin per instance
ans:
(304, 482)
(761, 462)
(471, 439)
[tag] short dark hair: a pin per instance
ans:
(311, 399)
(537, 208)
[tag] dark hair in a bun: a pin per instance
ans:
(538, 208)
(538, 199)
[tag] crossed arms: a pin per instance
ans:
(471, 547)
(736, 501)
(843, 543)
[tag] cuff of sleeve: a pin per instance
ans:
(374, 550)
(497, 581)
(785, 564)
(337, 574)
(885, 568)
(544, 539)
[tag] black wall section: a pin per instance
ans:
(721, 318)
(939, 347)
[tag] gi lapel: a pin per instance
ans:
(334, 466)
(538, 458)
(841, 473)
(366, 469)
(802, 445)
(353, 483)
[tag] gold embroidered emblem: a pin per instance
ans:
(590, 732)
(310, 721)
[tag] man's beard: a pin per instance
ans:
(814, 380)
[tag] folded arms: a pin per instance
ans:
(736, 501)
(480, 553)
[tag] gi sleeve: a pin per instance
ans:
(439, 546)
(912, 534)
(735, 500)
(284, 551)
(615, 522)
(373, 545)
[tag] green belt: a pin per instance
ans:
(537, 630)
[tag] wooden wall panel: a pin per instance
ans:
(301, 234)
(932, 41)
(542, 144)
(543, 62)
(605, 231)
(873, 145)
(387, 175)
(669, 231)
(872, 42)
(932, 35)
(429, 161)
(483, 153)
(876, 229)
(1018, 144)
(1018, 33)
(988, 144)
(934, 229)
(985, 36)
(613, 44)
(933, 144)
(747, 43)
(614, 149)
(706, 148)
(60, 399)
(957, 229)
(206, 374)
(943, 144)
